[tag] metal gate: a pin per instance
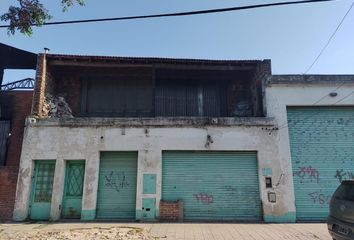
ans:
(73, 189)
(322, 150)
(213, 185)
(42, 188)
(117, 185)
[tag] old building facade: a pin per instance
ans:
(15, 106)
(169, 139)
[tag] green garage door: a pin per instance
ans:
(117, 185)
(322, 153)
(212, 185)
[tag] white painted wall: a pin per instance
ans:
(67, 143)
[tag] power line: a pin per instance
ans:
(316, 59)
(178, 14)
(345, 97)
(330, 39)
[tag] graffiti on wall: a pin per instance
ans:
(342, 175)
(321, 195)
(116, 180)
(309, 172)
(204, 198)
(320, 198)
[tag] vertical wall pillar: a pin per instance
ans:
(24, 180)
(89, 198)
(58, 187)
(39, 87)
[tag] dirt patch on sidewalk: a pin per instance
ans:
(119, 233)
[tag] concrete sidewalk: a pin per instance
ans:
(174, 231)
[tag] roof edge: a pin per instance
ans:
(311, 79)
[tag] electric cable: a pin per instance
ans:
(330, 39)
(179, 14)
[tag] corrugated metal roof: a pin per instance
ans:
(154, 60)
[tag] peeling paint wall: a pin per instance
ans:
(70, 143)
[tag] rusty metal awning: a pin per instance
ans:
(14, 58)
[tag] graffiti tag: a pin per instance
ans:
(342, 175)
(116, 180)
(320, 198)
(308, 172)
(204, 198)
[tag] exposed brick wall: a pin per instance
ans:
(16, 106)
(171, 211)
(69, 87)
(44, 84)
(8, 176)
(257, 87)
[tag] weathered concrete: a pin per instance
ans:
(85, 138)
(310, 79)
(74, 142)
(165, 122)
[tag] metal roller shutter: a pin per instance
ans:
(117, 185)
(212, 185)
(322, 150)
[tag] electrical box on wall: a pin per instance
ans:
(272, 197)
(149, 184)
(268, 182)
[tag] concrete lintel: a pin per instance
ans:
(152, 122)
(310, 79)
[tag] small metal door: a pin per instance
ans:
(42, 188)
(73, 189)
(149, 208)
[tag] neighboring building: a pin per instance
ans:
(15, 106)
(182, 139)
(315, 117)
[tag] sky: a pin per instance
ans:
(291, 36)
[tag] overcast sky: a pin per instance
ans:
(291, 36)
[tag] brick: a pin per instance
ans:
(16, 106)
(171, 211)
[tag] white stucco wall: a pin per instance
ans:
(42, 142)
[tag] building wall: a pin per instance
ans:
(16, 106)
(53, 139)
(279, 96)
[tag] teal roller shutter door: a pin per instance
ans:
(117, 185)
(322, 153)
(212, 185)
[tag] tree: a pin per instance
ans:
(31, 13)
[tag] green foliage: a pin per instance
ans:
(30, 13)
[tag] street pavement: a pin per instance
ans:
(170, 231)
